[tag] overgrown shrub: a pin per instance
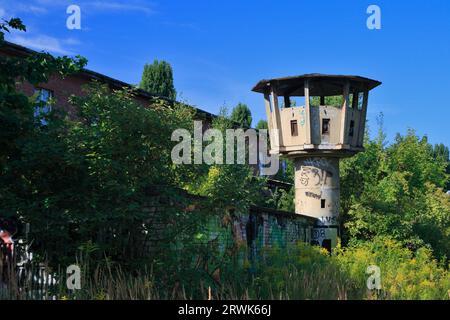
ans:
(404, 274)
(397, 191)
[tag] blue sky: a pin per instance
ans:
(220, 49)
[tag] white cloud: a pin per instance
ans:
(118, 6)
(101, 5)
(71, 41)
(36, 9)
(54, 2)
(42, 43)
(14, 8)
(44, 7)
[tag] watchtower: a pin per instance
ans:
(328, 126)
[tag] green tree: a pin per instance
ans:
(18, 125)
(231, 184)
(329, 101)
(262, 124)
(441, 153)
(396, 191)
(280, 198)
(242, 115)
(90, 183)
(157, 79)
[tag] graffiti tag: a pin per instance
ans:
(313, 195)
(317, 176)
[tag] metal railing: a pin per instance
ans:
(21, 277)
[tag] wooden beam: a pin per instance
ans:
(277, 118)
(362, 118)
(355, 100)
(289, 92)
(307, 114)
(268, 111)
(343, 135)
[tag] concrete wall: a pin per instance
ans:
(260, 228)
(318, 113)
(334, 116)
(252, 229)
(287, 115)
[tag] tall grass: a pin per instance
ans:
(297, 272)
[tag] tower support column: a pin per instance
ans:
(317, 195)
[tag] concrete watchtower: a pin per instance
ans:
(329, 126)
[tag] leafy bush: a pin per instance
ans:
(397, 191)
(93, 183)
(300, 271)
(404, 274)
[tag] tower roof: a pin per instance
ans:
(320, 84)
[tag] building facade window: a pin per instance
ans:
(43, 103)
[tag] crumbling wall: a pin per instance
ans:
(252, 229)
(260, 228)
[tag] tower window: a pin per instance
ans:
(294, 128)
(360, 100)
(325, 126)
(322, 100)
(322, 203)
(352, 128)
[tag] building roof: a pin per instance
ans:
(320, 84)
(114, 83)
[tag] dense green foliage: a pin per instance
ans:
(88, 183)
(157, 79)
(305, 272)
(17, 122)
(242, 115)
(441, 153)
(397, 190)
(228, 184)
(405, 274)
